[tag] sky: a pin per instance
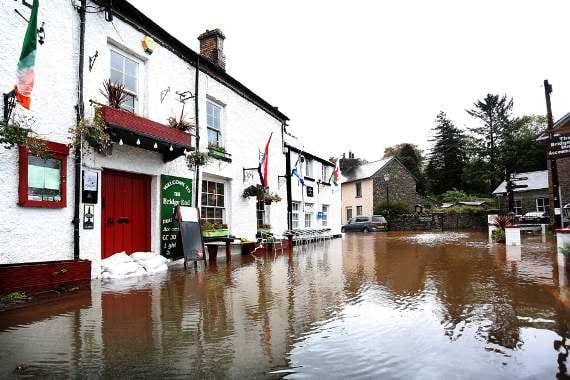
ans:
(363, 75)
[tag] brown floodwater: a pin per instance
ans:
(378, 306)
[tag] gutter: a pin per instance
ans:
(80, 110)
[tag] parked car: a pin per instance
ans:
(538, 217)
(366, 223)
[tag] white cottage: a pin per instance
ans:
(122, 199)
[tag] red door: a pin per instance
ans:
(125, 223)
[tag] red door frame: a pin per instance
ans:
(142, 204)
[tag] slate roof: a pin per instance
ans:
(365, 171)
(536, 181)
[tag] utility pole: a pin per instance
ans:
(552, 161)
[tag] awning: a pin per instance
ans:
(146, 134)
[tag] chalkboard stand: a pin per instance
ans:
(190, 239)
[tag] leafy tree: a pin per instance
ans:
(521, 151)
(494, 112)
(410, 158)
(395, 150)
(447, 157)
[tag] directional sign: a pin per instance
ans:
(559, 146)
(520, 179)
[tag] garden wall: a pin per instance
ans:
(439, 222)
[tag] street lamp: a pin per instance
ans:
(387, 180)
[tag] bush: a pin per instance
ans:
(396, 208)
(498, 236)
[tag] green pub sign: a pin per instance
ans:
(174, 191)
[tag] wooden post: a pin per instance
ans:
(552, 161)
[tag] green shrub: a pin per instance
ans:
(565, 250)
(396, 208)
(498, 236)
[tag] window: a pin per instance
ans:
(214, 119)
(542, 204)
(295, 214)
(308, 168)
(358, 210)
(358, 189)
(126, 71)
(348, 213)
(260, 210)
(518, 207)
(308, 215)
(325, 173)
(213, 194)
(325, 215)
(42, 182)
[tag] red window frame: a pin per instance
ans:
(57, 151)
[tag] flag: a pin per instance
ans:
(25, 72)
(263, 164)
(297, 171)
(334, 176)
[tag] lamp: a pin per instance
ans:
(387, 180)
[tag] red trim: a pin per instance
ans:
(57, 151)
(141, 125)
(563, 230)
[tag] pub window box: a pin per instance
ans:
(42, 181)
(215, 233)
(219, 153)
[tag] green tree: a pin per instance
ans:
(447, 157)
(521, 151)
(494, 113)
(411, 159)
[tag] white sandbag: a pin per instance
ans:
(149, 260)
(142, 255)
(160, 268)
(120, 257)
(118, 269)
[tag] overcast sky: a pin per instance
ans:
(364, 75)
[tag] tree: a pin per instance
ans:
(522, 152)
(395, 150)
(410, 158)
(494, 112)
(447, 156)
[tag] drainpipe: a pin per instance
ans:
(289, 200)
(80, 112)
(197, 122)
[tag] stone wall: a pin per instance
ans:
(439, 222)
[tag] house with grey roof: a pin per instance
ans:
(366, 186)
(534, 197)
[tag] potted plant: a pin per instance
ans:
(196, 158)
(180, 123)
(18, 132)
(91, 133)
(265, 228)
(219, 152)
(114, 93)
(501, 221)
(214, 229)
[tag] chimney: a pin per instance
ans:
(212, 47)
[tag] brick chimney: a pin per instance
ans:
(212, 47)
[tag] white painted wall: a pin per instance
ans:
(33, 234)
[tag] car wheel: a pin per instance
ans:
(343, 230)
(365, 229)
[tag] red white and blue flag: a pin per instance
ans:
(263, 165)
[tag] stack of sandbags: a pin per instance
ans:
(120, 265)
(150, 261)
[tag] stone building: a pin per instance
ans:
(366, 186)
(534, 197)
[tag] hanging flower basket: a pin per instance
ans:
(197, 159)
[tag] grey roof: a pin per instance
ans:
(472, 203)
(365, 171)
(536, 181)
(563, 120)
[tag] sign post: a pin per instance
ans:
(174, 191)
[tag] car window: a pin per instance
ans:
(378, 219)
(350, 221)
(360, 220)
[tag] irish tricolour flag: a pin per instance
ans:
(25, 82)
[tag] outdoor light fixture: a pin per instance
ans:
(138, 141)
(121, 141)
(155, 145)
(386, 177)
(171, 148)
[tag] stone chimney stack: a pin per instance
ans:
(212, 47)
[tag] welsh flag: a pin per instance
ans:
(334, 175)
(25, 72)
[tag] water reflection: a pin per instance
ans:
(398, 305)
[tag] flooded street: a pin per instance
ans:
(390, 306)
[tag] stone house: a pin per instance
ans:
(124, 208)
(534, 197)
(366, 186)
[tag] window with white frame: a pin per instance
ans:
(348, 213)
(125, 70)
(214, 123)
(308, 215)
(542, 204)
(309, 167)
(358, 210)
(518, 207)
(213, 201)
(295, 214)
(325, 219)
(325, 173)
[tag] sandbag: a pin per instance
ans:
(160, 268)
(120, 257)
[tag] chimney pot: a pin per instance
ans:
(212, 47)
